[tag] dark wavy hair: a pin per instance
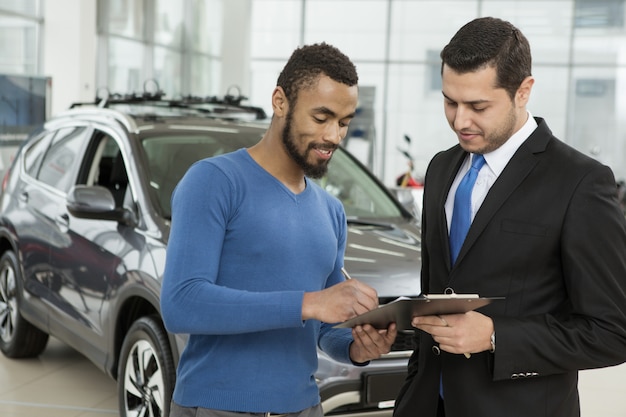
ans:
(489, 41)
(308, 62)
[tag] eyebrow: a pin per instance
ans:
(325, 110)
(480, 101)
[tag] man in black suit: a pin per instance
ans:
(547, 234)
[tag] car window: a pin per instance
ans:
(60, 162)
(104, 166)
(35, 152)
(360, 194)
(169, 157)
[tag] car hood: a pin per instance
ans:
(385, 255)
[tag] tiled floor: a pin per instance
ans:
(61, 383)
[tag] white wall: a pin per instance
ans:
(236, 46)
(69, 55)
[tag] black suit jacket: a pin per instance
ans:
(549, 237)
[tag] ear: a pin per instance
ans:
(280, 104)
(523, 92)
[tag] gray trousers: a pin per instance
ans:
(178, 411)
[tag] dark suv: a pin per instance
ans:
(84, 223)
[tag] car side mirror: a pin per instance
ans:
(96, 203)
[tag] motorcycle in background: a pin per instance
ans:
(409, 190)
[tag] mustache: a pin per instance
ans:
(469, 132)
(323, 147)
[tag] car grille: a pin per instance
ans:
(404, 341)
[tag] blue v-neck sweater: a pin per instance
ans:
(242, 251)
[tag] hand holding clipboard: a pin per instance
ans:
(403, 309)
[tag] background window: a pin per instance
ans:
(20, 25)
(599, 14)
(175, 43)
(395, 45)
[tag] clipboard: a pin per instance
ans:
(403, 309)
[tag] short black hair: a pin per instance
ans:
(489, 41)
(309, 62)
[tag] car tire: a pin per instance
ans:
(18, 337)
(146, 372)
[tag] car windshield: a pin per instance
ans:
(169, 157)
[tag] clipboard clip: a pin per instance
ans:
(449, 293)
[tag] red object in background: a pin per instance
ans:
(407, 180)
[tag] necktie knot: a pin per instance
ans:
(478, 161)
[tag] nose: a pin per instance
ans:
(334, 133)
(462, 118)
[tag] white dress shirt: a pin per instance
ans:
(496, 161)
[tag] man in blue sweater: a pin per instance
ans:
(253, 269)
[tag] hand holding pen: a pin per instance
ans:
(369, 343)
(339, 302)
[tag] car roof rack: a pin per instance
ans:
(228, 106)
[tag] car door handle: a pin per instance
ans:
(23, 197)
(63, 220)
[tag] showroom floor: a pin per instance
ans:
(61, 383)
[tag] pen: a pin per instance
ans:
(345, 273)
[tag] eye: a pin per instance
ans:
(319, 120)
(479, 109)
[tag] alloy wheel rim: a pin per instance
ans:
(8, 304)
(143, 382)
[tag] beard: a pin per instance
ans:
(301, 158)
(498, 137)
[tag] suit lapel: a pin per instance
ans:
(516, 171)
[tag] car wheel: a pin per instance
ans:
(18, 338)
(146, 371)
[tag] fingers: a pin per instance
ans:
(367, 295)
(458, 333)
(378, 340)
(370, 343)
(442, 332)
(340, 302)
(357, 295)
(432, 321)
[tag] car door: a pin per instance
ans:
(26, 207)
(78, 269)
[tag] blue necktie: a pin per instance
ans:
(461, 214)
